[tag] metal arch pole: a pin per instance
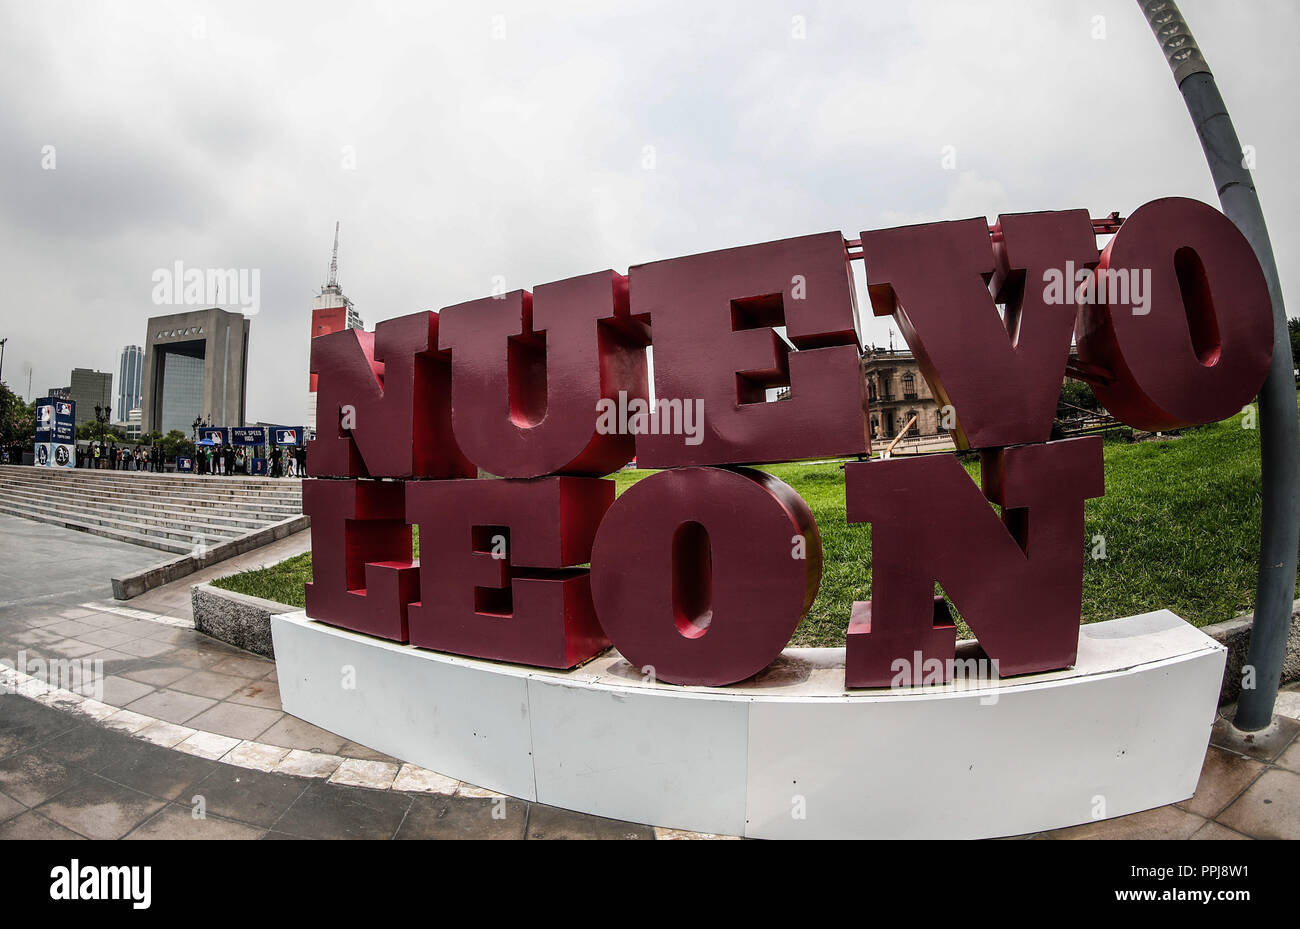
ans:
(1278, 422)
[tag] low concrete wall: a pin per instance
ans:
(239, 619)
(234, 618)
(132, 585)
(1235, 635)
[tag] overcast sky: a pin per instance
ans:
(537, 141)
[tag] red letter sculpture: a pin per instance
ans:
(385, 403)
(712, 318)
(941, 281)
(1018, 582)
(497, 568)
(362, 574)
(1196, 344)
(529, 370)
(703, 574)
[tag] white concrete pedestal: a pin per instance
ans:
(790, 754)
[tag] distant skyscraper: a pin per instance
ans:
(195, 366)
(331, 311)
(130, 379)
(88, 390)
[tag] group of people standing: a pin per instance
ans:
(283, 461)
(111, 457)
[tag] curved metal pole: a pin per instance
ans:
(1278, 423)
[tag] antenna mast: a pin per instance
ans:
(334, 260)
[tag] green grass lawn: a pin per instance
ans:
(1180, 520)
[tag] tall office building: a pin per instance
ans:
(130, 379)
(195, 367)
(89, 389)
(331, 311)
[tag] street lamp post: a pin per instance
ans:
(2, 359)
(1279, 426)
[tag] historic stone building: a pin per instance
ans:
(898, 391)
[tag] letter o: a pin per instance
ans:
(1202, 350)
(692, 572)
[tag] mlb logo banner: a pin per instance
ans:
(213, 434)
(288, 435)
(184, 464)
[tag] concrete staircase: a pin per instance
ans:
(172, 513)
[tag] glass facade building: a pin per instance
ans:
(130, 380)
(182, 388)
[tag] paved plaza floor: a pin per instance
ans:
(186, 724)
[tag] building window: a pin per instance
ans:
(871, 389)
(938, 422)
(909, 387)
(915, 420)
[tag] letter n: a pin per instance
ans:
(399, 387)
(1017, 580)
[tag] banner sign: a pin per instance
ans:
(184, 464)
(56, 433)
(215, 434)
(247, 435)
(287, 435)
(259, 466)
(703, 570)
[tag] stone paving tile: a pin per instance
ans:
(99, 809)
(34, 776)
(249, 667)
(357, 750)
(174, 636)
(207, 745)
(160, 675)
(1290, 759)
(34, 826)
(1166, 822)
(165, 734)
(145, 648)
(308, 764)
(438, 817)
(377, 775)
(107, 638)
(236, 720)
(1265, 746)
(1269, 809)
(1216, 833)
(159, 772)
(414, 778)
(263, 693)
(119, 691)
(252, 797)
(89, 747)
(70, 628)
(1224, 776)
(210, 684)
(178, 822)
(127, 721)
(171, 705)
(101, 620)
(292, 732)
(548, 822)
(333, 811)
(9, 807)
(256, 755)
(73, 648)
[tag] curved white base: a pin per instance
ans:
(789, 754)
